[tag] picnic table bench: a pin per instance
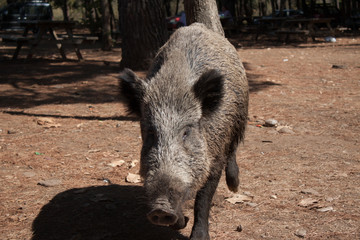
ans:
(44, 27)
(309, 26)
(292, 32)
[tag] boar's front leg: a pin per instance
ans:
(203, 201)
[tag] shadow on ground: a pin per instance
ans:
(45, 82)
(255, 80)
(42, 82)
(92, 213)
(89, 118)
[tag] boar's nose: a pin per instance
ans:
(162, 218)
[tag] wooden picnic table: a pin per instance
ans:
(45, 31)
(308, 26)
(291, 26)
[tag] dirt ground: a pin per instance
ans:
(67, 146)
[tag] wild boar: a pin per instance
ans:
(193, 108)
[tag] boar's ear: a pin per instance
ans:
(209, 90)
(131, 88)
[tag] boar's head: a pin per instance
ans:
(173, 109)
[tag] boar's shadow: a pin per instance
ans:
(102, 212)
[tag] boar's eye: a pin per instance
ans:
(186, 133)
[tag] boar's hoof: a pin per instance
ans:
(200, 235)
(181, 223)
(162, 218)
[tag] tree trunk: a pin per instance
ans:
(122, 5)
(203, 11)
(143, 32)
(273, 7)
(282, 7)
(242, 8)
(177, 7)
(106, 26)
(89, 16)
(167, 7)
(112, 17)
(248, 9)
(65, 11)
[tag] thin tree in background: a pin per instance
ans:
(177, 7)
(282, 7)
(143, 32)
(65, 10)
(167, 7)
(106, 26)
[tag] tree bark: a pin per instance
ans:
(273, 7)
(65, 11)
(112, 17)
(177, 7)
(167, 7)
(143, 32)
(106, 26)
(282, 7)
(248, 9)
(203, 11)
(122, 5)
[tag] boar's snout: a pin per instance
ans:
(162, 217)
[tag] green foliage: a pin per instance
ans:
(2, 3)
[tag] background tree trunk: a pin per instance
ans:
(273, 7)
(122, 5)
(112, 17)
(65, 11)
(177, 7)
(167, 7)
(248, 9)
(282, 7)
(144, 32)
(106, 26)
(203, 11)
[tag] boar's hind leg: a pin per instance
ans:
(232, 170)
(203, 200)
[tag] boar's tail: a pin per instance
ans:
(232, 173)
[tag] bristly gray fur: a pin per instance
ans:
(193, 107)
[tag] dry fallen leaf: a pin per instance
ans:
(307, 202)
(133, 178)
(50, 182)
(47, 123)
(239, 198)
(116, 163)
(310, 191)
(301, 233)
(133, 163)
(325, 209)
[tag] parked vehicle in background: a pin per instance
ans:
(176, 21)
(12, 14)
